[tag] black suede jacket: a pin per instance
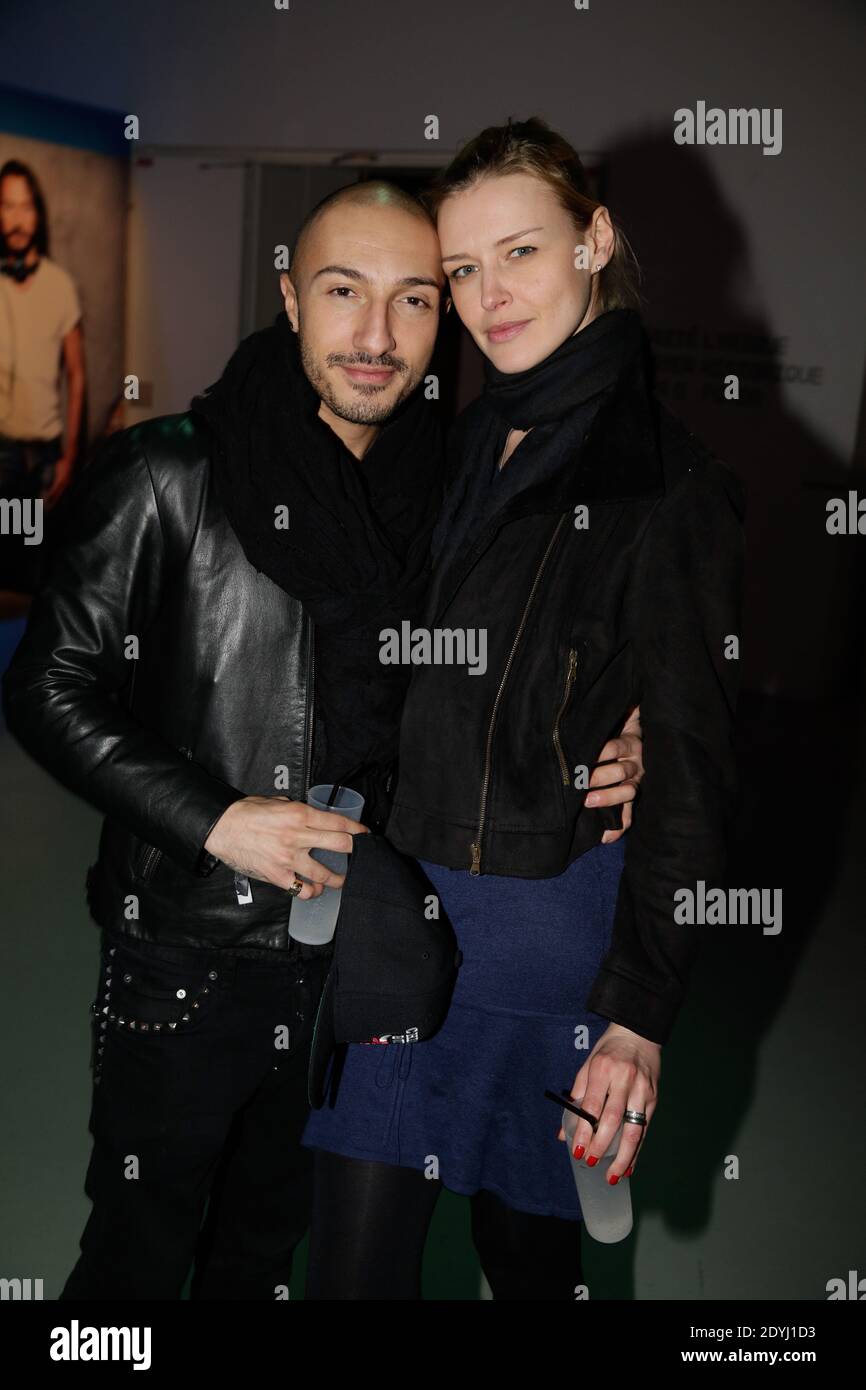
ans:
(640, 605)
(162, 678)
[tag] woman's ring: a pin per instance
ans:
(634, 1117)
(295, 888)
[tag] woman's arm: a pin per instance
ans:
(684, 609)
(685, 600)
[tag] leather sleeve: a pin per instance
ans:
(685, 599)
(66, 690)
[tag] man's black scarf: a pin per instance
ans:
(356, 549)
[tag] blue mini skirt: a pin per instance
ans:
(468, 1105)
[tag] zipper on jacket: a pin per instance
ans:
(308, 750)
(569, 682)
(151, 859)
(475, 864)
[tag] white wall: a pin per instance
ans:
(184, 268)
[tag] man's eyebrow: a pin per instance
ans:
(420, 280)
(350, 273)
(512, 236)
(345, 270)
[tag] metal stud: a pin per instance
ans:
(127, 979)
(212, 975)
(181, 994)
(172, 1025)
(145, 1027)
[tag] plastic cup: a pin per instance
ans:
(312, 920)
(606, 1207)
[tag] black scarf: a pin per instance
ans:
(356, 551)
(556, 400)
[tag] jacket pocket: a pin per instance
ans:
(153, 996)
(568, 686)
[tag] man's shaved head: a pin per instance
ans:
(372, 193)
(363, 293)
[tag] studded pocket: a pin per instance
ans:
(152, 997)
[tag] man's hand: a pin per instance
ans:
(617, 783)
(269, 838)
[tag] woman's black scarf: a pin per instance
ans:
(584, 365)
(356, 550)
(556, 400)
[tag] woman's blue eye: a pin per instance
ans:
(458, 273)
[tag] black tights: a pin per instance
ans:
(370, 1222)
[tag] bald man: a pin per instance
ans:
(167, 676)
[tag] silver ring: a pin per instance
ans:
(634, 1117)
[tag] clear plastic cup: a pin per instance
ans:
(606, 1207)
(312, 920)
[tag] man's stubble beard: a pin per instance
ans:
(366, 407)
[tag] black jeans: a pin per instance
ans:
(200, 1091)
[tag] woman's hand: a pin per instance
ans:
(621, 1073)
(616, 784)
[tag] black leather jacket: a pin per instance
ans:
(162, 678)
(582, 623)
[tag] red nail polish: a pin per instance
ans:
(590, 1162)
(614, 1180)
(628, 1172)
(579, 1151)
